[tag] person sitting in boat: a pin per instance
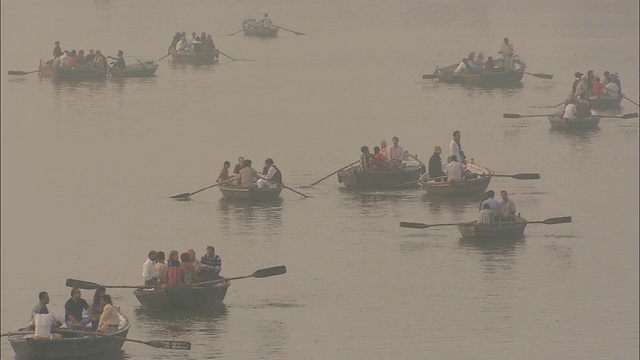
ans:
(612, 89)
(73, 311)
(181, 44)
(273, 176)
(161, 267)
(174, 259)
(44, 324)
(489, 65)
(471, 61)
(383, 148)
(224, 173)
(455, 148)
(597, 89)
(57, 50)
(583, 108)
(193, 260)
(265, 23)
(110, 319)
(395, 153)
(90, 57)
(174, 41)
(175, 277)
(148, 269)
(211, 265)
(479, 61)
(248, 176)
(493, 204)
(486, 215)
(378, 158)
(454, 170)
(365, 158)
(461, 67)
(435, 164)
(582, 89)
(41, 306)
(100, 62)
(507, 207)
(96, 307)
(507, 52)
(189, 272)
(79, 60)
(209, 45)
(239, 165)
(119, 61)
(69, 60)
(570, 110)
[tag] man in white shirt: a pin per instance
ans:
(507, 207)
(454, 170)
(571, 111)
(148, 269)
(44, 323)
(455, 148)
(266, 21)
(273, 175)
(395, 153)
(612, 90)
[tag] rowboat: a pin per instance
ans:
(479, 77)
(606, 102)
(204, 57)
(183, 298)
(251, 28)
(557, 121)
(81, 347)
(501, 230)
(141, 69)
(384, 177)
(86, 73)
(474, 183)
(253, 194)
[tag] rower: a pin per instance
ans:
(570, 111)
(435, 163)
(265, 22)
(273, 175)
(119, 61)
(454, 170)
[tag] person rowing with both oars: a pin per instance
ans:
(272, 177)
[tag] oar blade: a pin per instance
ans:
(543, 76)
(526, 176)
(558, 220)
(81, 284)
(170, 344)
(13, 72)
(511, 116)
(272, 271)
(629, 116)
(181, 196)
(413, 225)
(429, 76)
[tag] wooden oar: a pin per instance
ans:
(625, 116)
(87, 285)
(13, 72)
(342, 168)
(295, 32)
(160, 344)
(262, 273)
(553, 107)
(633, 102)
(185, 196)
(550, 221)
(430, 76)
(523, 176)
(164, 57)
(288, 188)
(541, 76)
(17, 333)
(235, 32)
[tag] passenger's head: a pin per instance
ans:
(91, 52)
(437, 150)
(106, 299)
(578, 74)
(265, 15)
(160, 256)
(383, 144)
(590, 73)
(490, 58)
(120, 53)
(184, 257)
(269, 161)
(364, 149)
(376, 150)
(607, 73)
(44, 297)
(210, 250)
(486, 206)
(99, 292)
(57, 43)
(490, 194)
(452, 159)
(597, 79)
(75, 293)
(241, 160)
(506, 40)
(226, 165)
(456, 135)
(480, 55)
(504, 195)
(472, 55)
(247, 163)
(192, 254)
(152, 254)
(395, 140)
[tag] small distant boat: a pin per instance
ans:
(557, 121)
(183, 298)
(251, 28)
(606, 102)
(254, 194)
(141, 69)
(202, 57)
(407, 175)
(479, 77)
(474, 183)
(86, 347)
(496, 230)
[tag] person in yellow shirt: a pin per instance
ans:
(507, 54)
(110, 319)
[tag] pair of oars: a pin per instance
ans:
(232, 58)
(549, 221)
(279, 27)
(185, 196)
(625, 116)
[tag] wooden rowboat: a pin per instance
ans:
(497, 230)
(183, 298)
(141, 69)
(253, 194)
(251, 28)
(606, 102)
(479, 77)
(475, 183)
(208, 57)
(82, 347)
(386, 177)
(557, 121)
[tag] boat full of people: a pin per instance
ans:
(475, 180)
(262, 28)
(194, 49)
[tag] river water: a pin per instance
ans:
(87, 169)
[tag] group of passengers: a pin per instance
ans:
(455, 169)
(183, 270)
(589, 86)
(181, 43)
(246, 176)
(73, 60)
(493, 211)
(478, 63)
(101, 315)
(383, 157)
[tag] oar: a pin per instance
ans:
(550, 221)
(262, 273)
(185, 196)
(625, 116)
(342, 168)
(17, 333)
(235, 32)
(288, 188)
(633, 102)
(164, 57)
(160, 344)
(523, 176)
(87, 285)
(295, 32)
(541, 76)
(553, 107)
(13, 72)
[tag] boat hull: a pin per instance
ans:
(498, 230)
(387, 177)
(558, 122)
(88, 347)
(480, 78)
(605, 102)
(250, 194)
(260, 32)
(471, 186)
(80, 74)
(209, 57)
(183, 298)
(147, 69)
